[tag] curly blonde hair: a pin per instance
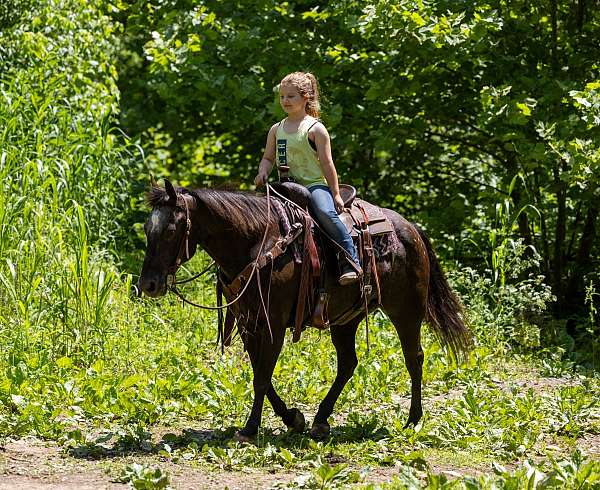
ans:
(307, 85)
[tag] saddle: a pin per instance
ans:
(356, 215)
(362, 220)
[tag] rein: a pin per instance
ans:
(238, 286)
(196, 276)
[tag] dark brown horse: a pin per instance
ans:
(230, 227)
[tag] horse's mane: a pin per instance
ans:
(245, 211)
(156, 196)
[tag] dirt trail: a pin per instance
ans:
(33, 464)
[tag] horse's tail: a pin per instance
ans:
(445, 312)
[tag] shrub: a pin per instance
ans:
(511, 311)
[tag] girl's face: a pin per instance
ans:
(291, 100)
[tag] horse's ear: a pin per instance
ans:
(170, 191)
(153, 182)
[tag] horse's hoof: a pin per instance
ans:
(320, 431)
(242, 438)
(413, 420)
(298, 424)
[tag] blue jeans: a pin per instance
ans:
(323, 209)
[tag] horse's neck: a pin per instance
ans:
(221, 237)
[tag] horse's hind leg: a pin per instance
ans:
(343, 338)
(409, 331)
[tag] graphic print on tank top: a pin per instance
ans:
(295, 151)
(291, 155)
(282, 151)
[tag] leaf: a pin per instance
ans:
(64, 362)
(524, 108)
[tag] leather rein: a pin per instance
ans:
(238, 286)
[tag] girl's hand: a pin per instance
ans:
(339, 203)
(260, 179)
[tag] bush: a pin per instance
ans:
(511, 311)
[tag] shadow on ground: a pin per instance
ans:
(139, 441)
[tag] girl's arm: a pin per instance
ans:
(266, 163)
(323, 144)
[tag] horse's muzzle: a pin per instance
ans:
(153, 287)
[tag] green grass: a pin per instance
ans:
(162, 387)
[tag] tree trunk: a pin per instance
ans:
(554, 21)
(543, 227)
(580, 16)
(523, 221)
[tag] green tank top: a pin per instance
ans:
(294, 150)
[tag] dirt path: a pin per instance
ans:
(33, 464)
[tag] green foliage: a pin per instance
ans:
(454, 87)
(326, 476)
(576, 472)
(142, 478)
(433, 108)
(11, 10)
(64, 192)
(507, 303)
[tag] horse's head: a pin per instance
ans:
(168, 237)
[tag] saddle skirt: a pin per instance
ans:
(364, 215)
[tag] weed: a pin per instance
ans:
(142, 477)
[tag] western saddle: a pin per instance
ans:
(362, 220)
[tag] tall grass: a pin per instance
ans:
(71, 339)
(63, 181)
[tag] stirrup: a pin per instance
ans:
(347, 278)
(320, 318)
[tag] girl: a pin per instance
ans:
(301, 142)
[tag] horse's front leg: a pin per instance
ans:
(293, 418)
(263, 355)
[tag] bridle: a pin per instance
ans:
(183, 246)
